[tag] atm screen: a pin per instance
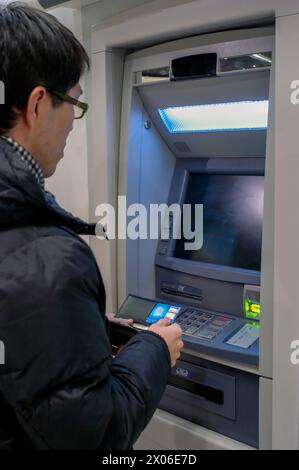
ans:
(232, 219)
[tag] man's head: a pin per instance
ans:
(38, 57)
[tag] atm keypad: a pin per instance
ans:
(202, 325)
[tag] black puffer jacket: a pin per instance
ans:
(59, 387)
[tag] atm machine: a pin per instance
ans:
(196, 129)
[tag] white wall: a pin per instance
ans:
(70, 181)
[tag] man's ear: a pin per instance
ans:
(36, 106)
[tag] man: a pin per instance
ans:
(59, 386)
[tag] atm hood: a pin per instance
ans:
(243, 87)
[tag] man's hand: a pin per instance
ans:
(172, 335)
(121, 321)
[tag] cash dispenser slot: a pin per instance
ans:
(214, 396)
(201, 390)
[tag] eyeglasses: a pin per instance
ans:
(80, 108)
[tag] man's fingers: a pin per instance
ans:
(121, 321)
(163, 322)
(127, 322)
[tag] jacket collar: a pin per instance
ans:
(28, 159)
(23, 201)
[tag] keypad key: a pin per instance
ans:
(191, 331)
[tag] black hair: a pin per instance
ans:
(35, 49)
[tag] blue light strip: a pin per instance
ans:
(220, 117)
